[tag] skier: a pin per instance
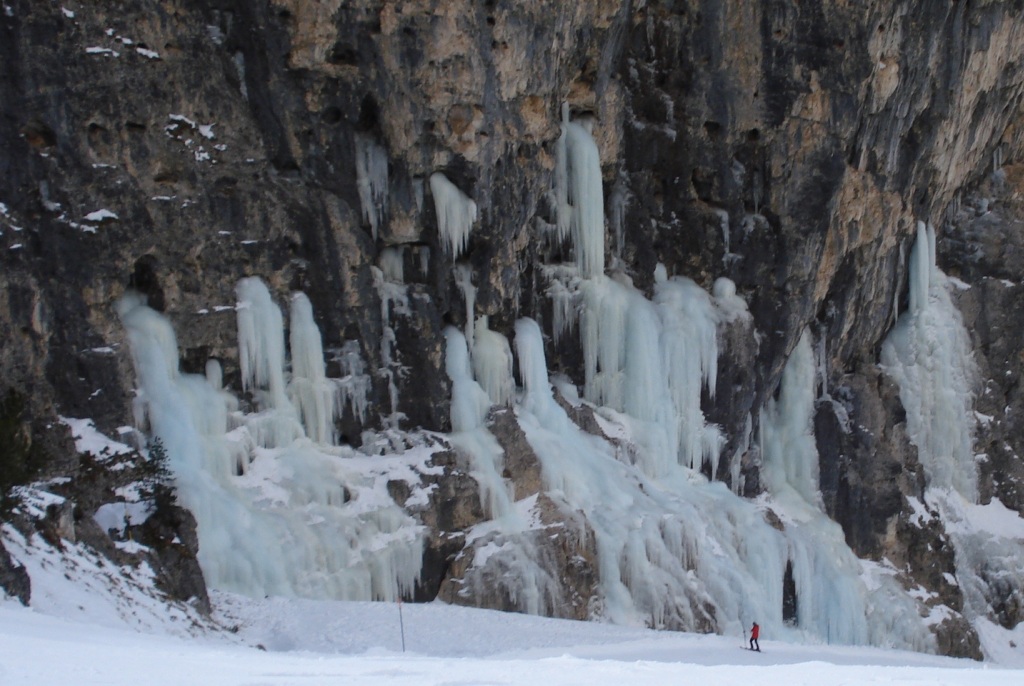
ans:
(755, 631)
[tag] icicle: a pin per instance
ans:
(456, 213)
(391, 263)
(563, 310)
(470, 402)
(492, 363)
(262, 355)
(355, 382)
(586, 195)
(423, 252)
(563, 209)
(393, 298)
(314, 395)
(372, 180)
(618, 201)
(260, 339)
(469, 407)
(723, 224)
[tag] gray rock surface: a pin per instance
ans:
(221, 138)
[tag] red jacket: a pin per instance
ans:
(755, 631)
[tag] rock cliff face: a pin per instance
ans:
(175, 147)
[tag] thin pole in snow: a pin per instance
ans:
(401, 623)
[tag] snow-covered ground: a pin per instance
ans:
(281, 641)
(93, 622)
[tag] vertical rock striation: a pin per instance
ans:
(173, 147)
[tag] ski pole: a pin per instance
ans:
(401, 625)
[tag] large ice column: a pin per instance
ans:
(456, 213)
(492, 363)
(469, 406)
(788, 447)
(652, 360)
(261, 348)
(261, 352)
(668, 550)
(689, 339)
(580, 196)
(298, 521)
(314, 395)
(928, 353)
(372, 180)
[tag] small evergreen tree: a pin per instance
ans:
(158, 479)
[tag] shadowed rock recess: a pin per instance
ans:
(174, 147)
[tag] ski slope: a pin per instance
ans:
(354, 643)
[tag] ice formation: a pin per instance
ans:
(580, 196)
(312, 393)
(281, 510)
(277, 512)
(372, 180)
(928, 354)
(673, 547)
(392, 264)
(492, 363)
(393, 299)
(456, 213)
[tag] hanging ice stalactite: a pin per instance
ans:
(492, 363)
(580, 194)
(313, 394)
(456, 213)
(372, 180)
(261, 351)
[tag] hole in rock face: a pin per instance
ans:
(369, 114)
(144, 280)
(789, 599)
(343, 54)
(38, 134)
(331, 115)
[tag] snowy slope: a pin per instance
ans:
(313, 643)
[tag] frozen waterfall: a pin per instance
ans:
(279, 510)
(928, 353)
(673, 547)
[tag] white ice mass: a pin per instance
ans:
(283, 510)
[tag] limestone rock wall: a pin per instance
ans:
(175, 146)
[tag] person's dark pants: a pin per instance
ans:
(754, 645)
